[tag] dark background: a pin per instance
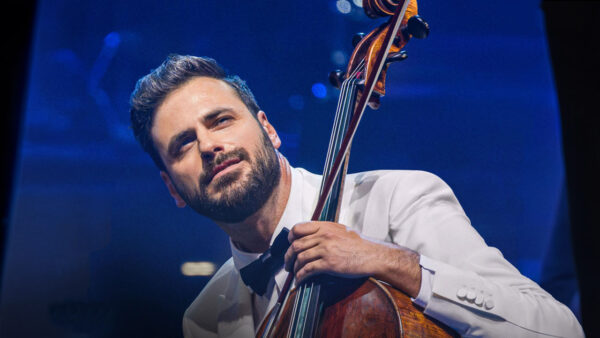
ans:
(94, 243)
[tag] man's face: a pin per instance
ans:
(219, 159)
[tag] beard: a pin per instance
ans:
(235, 198)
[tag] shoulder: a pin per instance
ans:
(381, 178)
(398, 193)
(203, 310)
(306, 176)
(409, 181)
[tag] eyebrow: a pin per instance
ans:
(176, 140)
(215, 113)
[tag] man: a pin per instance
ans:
(217, 153)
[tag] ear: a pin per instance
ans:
(269, 129)
(179, 202)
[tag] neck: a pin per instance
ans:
(254, 233)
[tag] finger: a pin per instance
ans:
(305, 257)
(303, 229)
(310, 269)
(297, 247)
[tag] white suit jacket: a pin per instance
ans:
(471, 287)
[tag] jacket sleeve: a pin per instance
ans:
(201, 317)
(191, 329)
(474, 289)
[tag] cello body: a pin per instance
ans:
(365, 308)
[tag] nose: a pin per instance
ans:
(209, 147)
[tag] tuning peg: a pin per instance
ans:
(417, 27)
(336, 78)
(356, 38)
(400, 56)
(374, 101)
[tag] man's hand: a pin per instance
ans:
(326, 247)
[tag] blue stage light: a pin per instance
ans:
(113, 39)
(319, 90)
(343, 6)
(296, 102)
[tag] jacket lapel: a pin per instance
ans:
(235, 310)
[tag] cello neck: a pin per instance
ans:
(307, 307)
(345, 108)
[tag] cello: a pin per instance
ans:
(327, 306)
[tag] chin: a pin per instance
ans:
(227, 181)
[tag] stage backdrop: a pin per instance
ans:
(96, 246)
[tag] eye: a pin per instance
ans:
(188, 140)
(222, 121)
(184, 144)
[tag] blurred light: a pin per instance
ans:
(343, 6)
(338, 58)
(296, 102)
(319, 90)
(357, 3)
(113, 39)
(67, 58)
(198, 268)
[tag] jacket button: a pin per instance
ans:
(489, 304)
(471, 295)
(462, 293)
(479, 300)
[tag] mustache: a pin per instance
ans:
(209, 165)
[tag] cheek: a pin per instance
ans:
(254, 142)
(249, 133)
(187, 171)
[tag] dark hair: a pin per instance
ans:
(175, 71)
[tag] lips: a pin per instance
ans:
(224, 165)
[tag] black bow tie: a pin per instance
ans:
(258, 273)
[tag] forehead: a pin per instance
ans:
(191, 101)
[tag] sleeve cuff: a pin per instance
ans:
(427, 272)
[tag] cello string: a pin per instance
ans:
(335, 135)
(334, 141)
(300, 299)
(305, 294)
(285, 291)
(309, 298)
(304, 298)
(336, 130)
(328, 212)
